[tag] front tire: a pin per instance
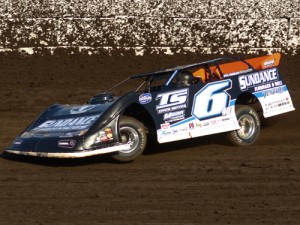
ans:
(132, 133)
(249, 122)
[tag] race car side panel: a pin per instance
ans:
(209, 108)
(186, 112)
(199, 110)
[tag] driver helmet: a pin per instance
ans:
(185, 78)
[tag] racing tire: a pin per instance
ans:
(132, 133)
(249, 122)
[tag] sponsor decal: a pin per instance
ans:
(184, 129)
(172, 101)
(145, 98)
(276, 104)
(165, 133)
(273, 91)
(105, 135)
(277, 83)
(269, 63)
(18, 142)
(205, 124)
(79, 123)
(191, 126)
(66, 143)
(175, 131)
(237, 73)
(174, 116)
(165, 126)
(198, 125)
(81, 109)
(213, 122)
(254, 79)
(225, 119)
(179, 131)
(267, 86)
(262, 87)
(227, 111)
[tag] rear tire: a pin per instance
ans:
(249, 122)
(132, 133)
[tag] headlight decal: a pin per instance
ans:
(105, 135)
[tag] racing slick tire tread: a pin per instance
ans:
(244, 112)
(138, 129)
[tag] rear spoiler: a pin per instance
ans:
(238, 66)
(258, 63)
(265, 62)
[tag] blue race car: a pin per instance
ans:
(221, 95)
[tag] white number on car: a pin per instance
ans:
(211, 100)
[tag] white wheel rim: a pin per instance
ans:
(130, 137)
(247, 124)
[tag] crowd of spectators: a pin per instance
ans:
(151, 23)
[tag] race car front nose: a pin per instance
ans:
(50, 144)
(24, 143)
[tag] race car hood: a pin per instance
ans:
(68, 118)
(67, 129)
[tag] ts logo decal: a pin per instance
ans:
(172, 101)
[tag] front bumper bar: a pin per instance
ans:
(77, 154)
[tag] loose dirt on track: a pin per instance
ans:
(199, 181)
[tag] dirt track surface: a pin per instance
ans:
(198, 181)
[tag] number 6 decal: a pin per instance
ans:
(211, 100)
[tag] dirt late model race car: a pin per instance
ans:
(220, 95)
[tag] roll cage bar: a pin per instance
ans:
(149, 77)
